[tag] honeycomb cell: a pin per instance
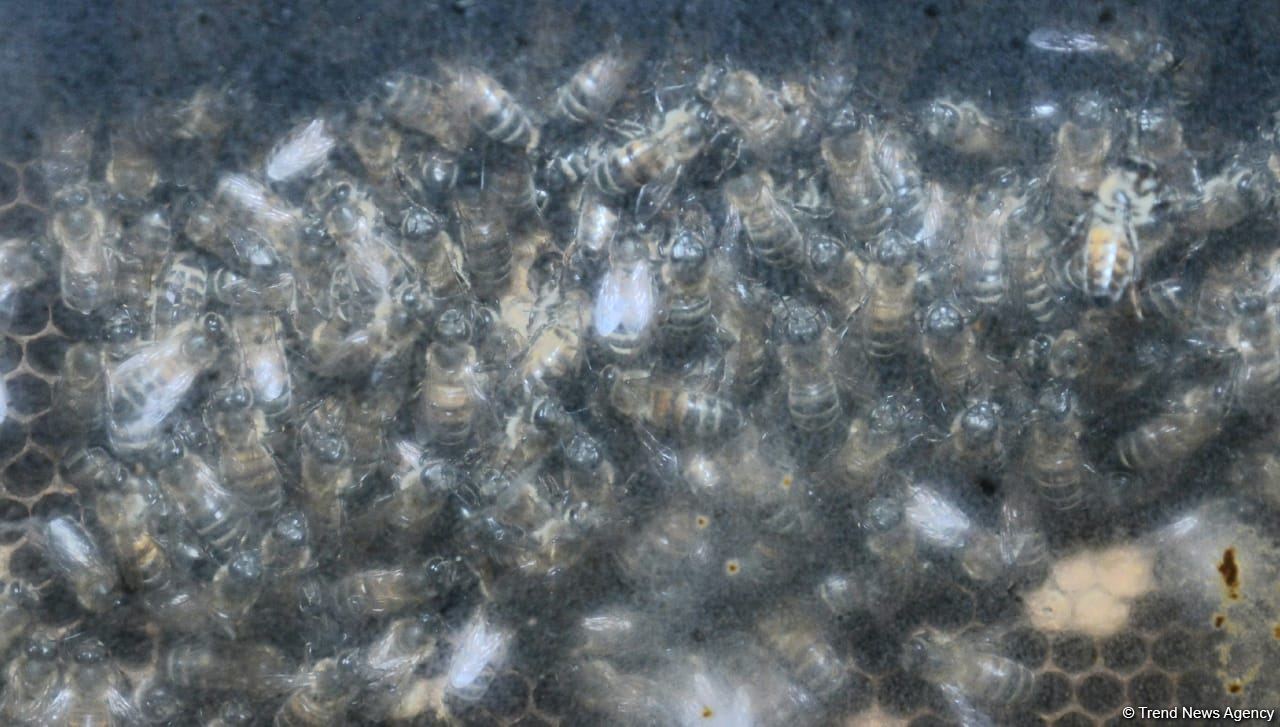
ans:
(56, 503)
(507, 696)
(29, 474)
(1074, 653)
(1023, 718)
(1026, 645)
(31, 315)
(951, 608)
(1150, 613)
(45, 353)
(1124, 653)
(13, 437)
(1100, 693)
(903, 694)
(875, 650)
(21, 220)
(28, 394)
(1073, 719)
(1174, 649)
(45, 431)
(10, 354)
(1198, 688)
(27, 563)
(73, 324)
(58, 605)
(12, 513)
(10, 184)
(1151, 687)
(1052, 692)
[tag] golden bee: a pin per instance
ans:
(596, 86)
(1111, 253)
(772, 233)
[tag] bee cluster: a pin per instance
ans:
(675, 393)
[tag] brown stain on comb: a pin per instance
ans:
(1230, 571)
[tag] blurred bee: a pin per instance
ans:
(873, 438)
(1188, 422)
(625, 307)
(595, 228)
(428, 175)
(1016, 552)
(872, 175)
(247, 466)
(983, 266)
(131, 173)
(66, 151)
(670, 554)
(262, 218)
(671, 409)
(884, 320)
(222, 521)
(813, 401)
(596, 86)
(453, 390)
(253, 668)
(259, 295)
(20, 269)
(755, 111)
(555, 352)
(569, 166)
(686, 306)
(80, 225)
(425, 106)
(376, 144)
(743, 325)
(1133, 44)
(420, 487)
(75, 555)
(144, 389)
(130, 521)
(93, 691)
(951, 346)
(182, 292)
(1228, 197)
(652, 162)
(436, 255)
(976, 438)
(486, 245)
(19, 604)
(1108, 263)
(365, 595)
(490, 107)
(262, 363)
(32, 681)
(799, 642)
(286, 548)
(323, 695)
(509, 185)
(234, 590)
(327, 474)
(301, 153)
(839, 276)
(142, 249)
(1053, 460)
(965, 672)
(391, 662)
(1081, 147)
(772, 233)
(964, 128)
(79, 396)
(1034, 277)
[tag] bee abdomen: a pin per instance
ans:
(814, 406)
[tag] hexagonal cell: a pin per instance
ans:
(1198, 687)
(55, 504)
(1073, 719)
(73, 324)
(13, 437)
(58, 605)
(31, 316)
(12, 513)
(21, 220)
(1052, 692)
(46, 430)
(1026, 645)
(951, 608)
(28, 394)
(27, 563)
(903, 694)
(1100, 693)
(1074, 653)
(28, 474)
(1151, 687)
(1174, 649)
(45, 353)
(1150, 613)
(10, 354)
(1124, 653)
(10, 184)
(875, 649)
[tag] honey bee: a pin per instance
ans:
(144, 389)
(872, 439)
(555, 352)
(509, 185)
(976, 438)
(490, 107)
(32, 681)
(379, 592)
(568, 166)
(246, 464)
(1015, 552)
(419, 489)
(963, 127)
(66, 151)
(965, 671)
(256, 669)
(813, 401)
(1033, 275)
(301, 153)
(22, 268)
(79, 397)
(652, 162)
(425, 106)
(838, 275)
(686, 307)
(182, 291)
(376, 143)
(667, 408)
(1110, 256)
(327, 473)
(221, 520)
(19, 603)
(772, 233)
(264, 219)
(799, 642)
(323, 696)
(453, 390)
(1188, 422)
(1228, 197)
(93, 690)
(625, 305)
(262, 363)
(431, 174)
(434, 252)
(1053, 460)
(286, 548)
(242, 293)
(871, 172)
(486, 246)
(756, 112)
(80, 225)
(388, 664)
(142, 249)
(132, 173)
(130, 522)
(596, 86)
(1081, 147)
(983, 264)
(891, 277)
(234, 590)
(76, 556)
(951, 347)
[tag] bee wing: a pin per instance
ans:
(610, 302)
(638, 291)
(1058, 40)
(654, 195)
(158, 369)
(938, 521)
(965, 711)
(303, 151)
